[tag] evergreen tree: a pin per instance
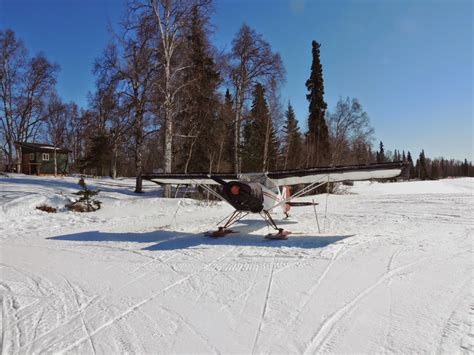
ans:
(412, 166)
(86, 202)
(254, 134)
(199, 116)
(292, 140)
(381, 153)
(225, 132)
(465, 168)
(98, 156)
(442, 168)
(421, 166)
(435, 170)
(318, 134)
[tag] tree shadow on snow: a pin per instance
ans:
(174, 240)
(104, 185)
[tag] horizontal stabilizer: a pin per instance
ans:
(302, 204)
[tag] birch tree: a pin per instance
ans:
(25, 85)
(56, 126)
(349, 130)
(171, 18)
(252, 61)
(129, 69)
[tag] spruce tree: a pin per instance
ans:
(98, 157)
(254, 133)
(412, 166)
(199, 116)
(465, 168)
(422, 169)
(381, 153)
(225, 132)
(292, 140)
(435, 173)
(318, 133)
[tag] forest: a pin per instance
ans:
(166, 100)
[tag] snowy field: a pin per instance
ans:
(390, 272)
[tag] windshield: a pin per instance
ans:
(262, 179)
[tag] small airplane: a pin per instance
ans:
(263, 192)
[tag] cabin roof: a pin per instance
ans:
(40, 147)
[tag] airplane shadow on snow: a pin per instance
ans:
(173, 240)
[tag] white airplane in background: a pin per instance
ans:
(263, 192)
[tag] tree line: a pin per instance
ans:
(167, 100)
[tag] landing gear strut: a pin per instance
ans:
(281, 234)
(223, 231)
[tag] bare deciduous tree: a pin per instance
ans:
(251, 61)
(25, 85)
(349, 128)
(171, 18)
(128, 69)
(56, 126)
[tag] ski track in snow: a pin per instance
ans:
(308, 295)
(265, 304)
(80, 311)
(138, 275)
(328, 327)
(455, 326)
(139, 304)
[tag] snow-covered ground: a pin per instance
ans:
(391, 271)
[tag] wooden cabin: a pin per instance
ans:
(38, 158)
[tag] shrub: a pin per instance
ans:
(85, 203)
(46, 208)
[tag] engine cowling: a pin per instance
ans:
(244, 196)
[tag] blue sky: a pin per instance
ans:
(409, 62)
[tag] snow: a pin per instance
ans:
(391, 271)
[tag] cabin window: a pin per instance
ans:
(45, 156)
(32, 156)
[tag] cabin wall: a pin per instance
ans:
(47, 166)
(33, 163)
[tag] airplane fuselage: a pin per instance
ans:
(250, 196)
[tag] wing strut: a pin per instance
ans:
(305, 190)
(208, 189)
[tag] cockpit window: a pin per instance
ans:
(262, 179)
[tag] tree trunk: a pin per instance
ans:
(287, 153)
(266, 146)
(190, 154)
(239, 106)
(168, 156)
(139, 168)
(10, 156)
(114, 160)
(221, 148)
(18, 160)
(55, 162)
(236, 141)
(139, 152)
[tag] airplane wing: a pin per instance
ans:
(190, 179)
(338, 173)
(289, 177)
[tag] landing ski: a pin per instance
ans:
(221, 232)
(280, 235)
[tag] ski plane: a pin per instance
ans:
(263, 192)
